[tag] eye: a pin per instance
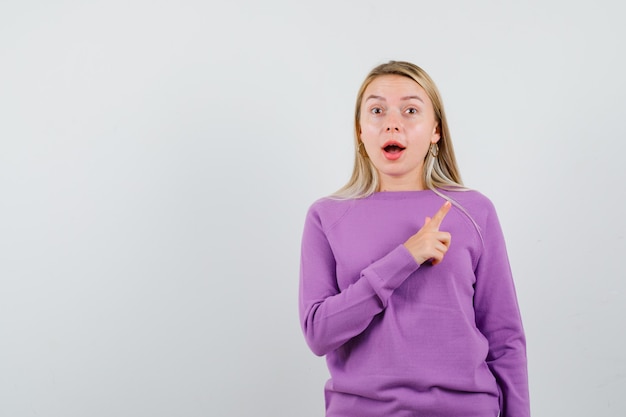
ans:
(411, 110)
(376, 110)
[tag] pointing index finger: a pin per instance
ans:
(440, 215)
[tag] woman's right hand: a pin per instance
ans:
(429, 243)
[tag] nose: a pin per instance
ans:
(392, 122)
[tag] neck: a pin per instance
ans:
(401, 184)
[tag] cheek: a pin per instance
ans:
(423, 133)
(369, 140)
(366, 131)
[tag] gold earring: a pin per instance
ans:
(434, 150)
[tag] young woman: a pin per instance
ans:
(405, 283)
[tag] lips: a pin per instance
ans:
(393, 150)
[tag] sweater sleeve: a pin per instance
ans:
(498, 318)
(330, 317)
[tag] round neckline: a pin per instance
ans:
(398, 195)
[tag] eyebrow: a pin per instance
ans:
(375, 97)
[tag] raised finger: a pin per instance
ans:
(440, 215)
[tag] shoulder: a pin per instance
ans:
(471, 200)
(478, 207)
(327, 211)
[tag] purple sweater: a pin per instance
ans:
(402, 339)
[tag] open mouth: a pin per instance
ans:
(393, 147)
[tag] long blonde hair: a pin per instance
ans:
(440, 171)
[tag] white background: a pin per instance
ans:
(157, 159)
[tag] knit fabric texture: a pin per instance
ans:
(403, 339)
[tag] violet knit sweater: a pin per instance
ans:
(402, 339)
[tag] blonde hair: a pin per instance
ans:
(440, 171)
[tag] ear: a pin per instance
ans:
(436, 134)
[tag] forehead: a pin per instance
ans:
(394, 86)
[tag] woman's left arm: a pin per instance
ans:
(498, 318)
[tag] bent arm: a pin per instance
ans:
(329, 316)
